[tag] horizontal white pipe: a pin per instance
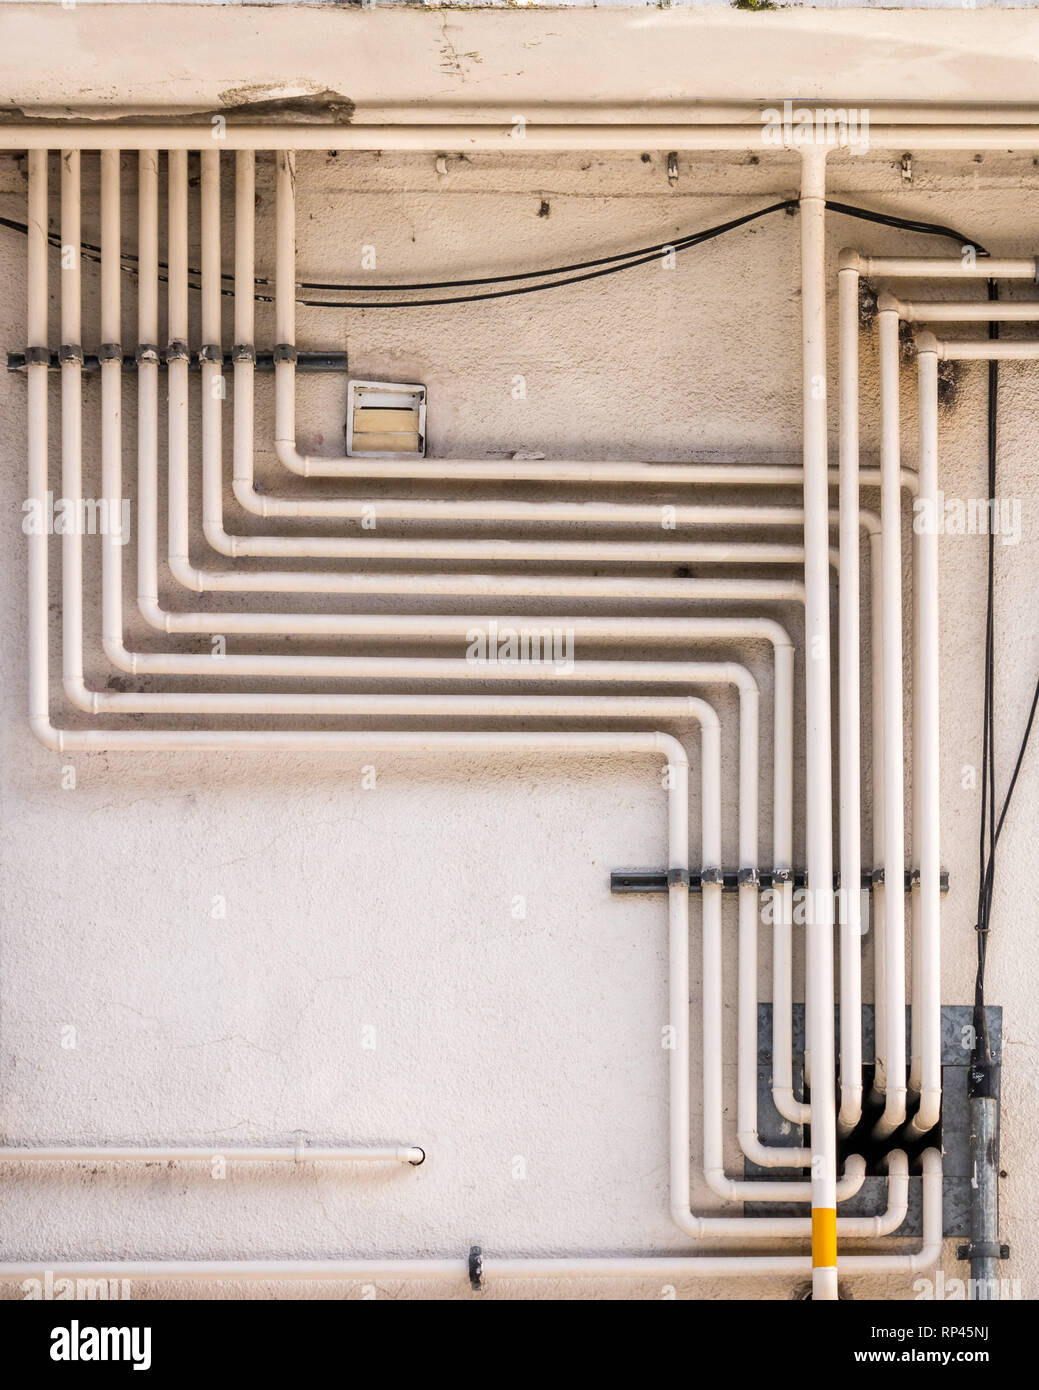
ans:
(672, 1267)
(240, 1270)
(302, 1153)
(961, 310)
(537, 138)
(986, 350)
(940, 267)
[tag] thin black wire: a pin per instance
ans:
(612, 265)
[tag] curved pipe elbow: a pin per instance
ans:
(248, 498)
(726, 1188)
(118, 655)
(669, 745)
(894, 1116)
(686, 1222)
(798, 1112)
(218, 538)
(153, 615)
(851, 1107)
(930, 1251)
(46, 733)
(742, 679)
(776, 633)
(185, 573)
(78, 695)
(289, 457)
(851, 1180)
(772, 1156)
(849, 259)
(705, 715)
(927, 1114)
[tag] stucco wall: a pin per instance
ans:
(497, 1038)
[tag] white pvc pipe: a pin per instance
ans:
(894, 803)
(301, 1153)
(819, 935)
(499, 136)
(672, 1267)
(940, 268)
(926, 1066)
(961, 310)
(849, 719)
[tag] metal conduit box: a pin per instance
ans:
(385, 417)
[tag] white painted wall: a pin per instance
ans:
(497, 1038)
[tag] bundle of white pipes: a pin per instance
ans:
(809, 557)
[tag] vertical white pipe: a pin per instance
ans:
(244, 315)
(894, 792)
(783, 895)
(927, 961)
(876, 666)
(819, 810)
(147, 375)
(849, 714)
(71, 413)
(36, 410)
(177, 369)
(111, 394)
(212, 370)
(285, 301)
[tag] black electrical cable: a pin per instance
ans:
(601, 266)
(558, 269)
(612, 265)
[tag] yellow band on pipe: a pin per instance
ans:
(824, 1237)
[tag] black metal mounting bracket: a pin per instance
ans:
(658, 880)
(265, 361)
(475, 1268)
(983, 1250)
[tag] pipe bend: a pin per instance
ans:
(248, 498)
(851, 1106)
(798, 1112)
(118, 655)
(289, 456)
(928, 1114)
(869, 521)
(686, 1222)
(775, 633)
(930, 1251)
(218, 538)
(152, 613)
(185, 573)
(676, 754)
(78, 695)
(704, 714)
(772, 1155)
(46, 733)
(742, 679)
(894, 1115)
(888, 303)
(888, 1222)
(849, 259)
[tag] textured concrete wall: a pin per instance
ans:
(523, 1053)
